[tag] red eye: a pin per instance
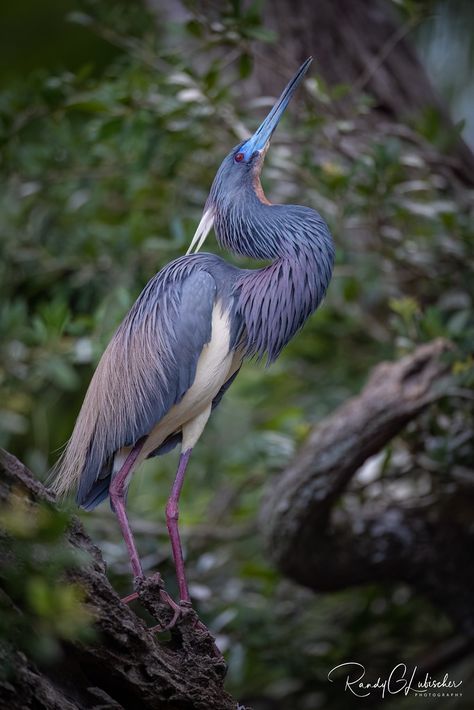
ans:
(239, 157)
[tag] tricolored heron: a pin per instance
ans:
(184, 340)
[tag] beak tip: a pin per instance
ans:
(264, 132)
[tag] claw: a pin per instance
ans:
(165, 597)
(158, 628)
(179, 609)
(177, 612)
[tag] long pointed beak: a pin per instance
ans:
(265, 131)
(258, 141)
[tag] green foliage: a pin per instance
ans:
(34, 563)
(103, 177)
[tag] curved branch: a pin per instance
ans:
(129, 666)
(326, 547)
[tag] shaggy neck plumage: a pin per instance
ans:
(275, 301)
(247, 226)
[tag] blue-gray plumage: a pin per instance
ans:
(184, 340)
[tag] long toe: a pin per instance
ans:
(129, 598)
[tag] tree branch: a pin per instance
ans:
(128, 666)
(328, 547)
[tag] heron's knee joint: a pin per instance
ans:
(172, 512)
(116, 493)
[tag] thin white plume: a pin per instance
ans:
(204, 227)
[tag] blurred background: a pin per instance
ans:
(114, 117)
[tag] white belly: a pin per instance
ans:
(215, 365)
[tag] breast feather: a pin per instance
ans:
(214, 367)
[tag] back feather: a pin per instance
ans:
(147, 367)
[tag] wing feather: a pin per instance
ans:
(148, 366)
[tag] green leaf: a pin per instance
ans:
(245, 65)
(194, 28)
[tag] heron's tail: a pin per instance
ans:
(84, 455)
(68, 470)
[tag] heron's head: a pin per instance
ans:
(242, 166)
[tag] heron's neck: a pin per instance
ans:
(248, 225)
(275, 301)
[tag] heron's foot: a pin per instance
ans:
(151, 593)
(129, 598)
(157, 585)
(179, 612)
(192, 633)
(180, 618)
(156, 580)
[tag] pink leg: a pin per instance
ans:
(117, 493)
(172, 514)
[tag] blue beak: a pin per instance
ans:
(264, 132)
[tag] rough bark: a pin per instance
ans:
(364, 46)
(326, 545)
(129, 667)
